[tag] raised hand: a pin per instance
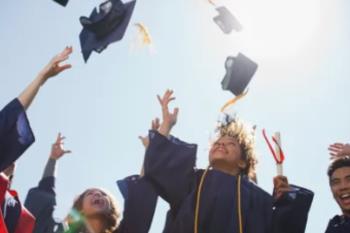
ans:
(169, 118)
(54, 67)
(281, 186)
(154, 126)
(50, 70)
(339, 150)
(57, 150)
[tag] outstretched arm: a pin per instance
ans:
(57, 152)
(50, 70)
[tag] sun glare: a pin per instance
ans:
(275, 28)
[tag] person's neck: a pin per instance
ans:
(226, 169)
(346, 213)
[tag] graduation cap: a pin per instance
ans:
(239, 72)
(62, 2)
(105, 26)
(226, 21)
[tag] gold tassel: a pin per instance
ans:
(233, 101)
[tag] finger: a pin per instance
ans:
(337, 145)
(64, 67)
(334, 155)
(283, 190)
(59, 58)
(160, 100)
(170, 99)
(154, 124)
(282, 178)
(279, 181)
(167, 94)
(67, 50)
(58, 137)
(157, 123)
(282, 186)
(176, 111)
(332, 149)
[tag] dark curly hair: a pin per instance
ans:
(234, 127)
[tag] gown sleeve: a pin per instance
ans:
(169, 164)
(15, 133)
(140, 200)
(291, 211)
(41, 202)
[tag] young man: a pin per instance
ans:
(339, 181)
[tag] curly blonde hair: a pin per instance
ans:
(111, 219)
(234, 127)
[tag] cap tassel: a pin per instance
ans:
(233, 101)
(144, 33)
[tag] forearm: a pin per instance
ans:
(164, 129)
(50, 168)
(29, 93)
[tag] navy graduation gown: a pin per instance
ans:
(339, 224)
(41, 202)
(15, 133)
(140, 201)
(139, 206)
(169, 164)
(291, 210)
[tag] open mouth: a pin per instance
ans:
(345, 199)
(98, 202)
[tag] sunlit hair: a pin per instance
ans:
(245, 135)
(110, 219)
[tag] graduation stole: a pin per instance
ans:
(239, 209)
(26, 221)
(277, 152)
(3, 189)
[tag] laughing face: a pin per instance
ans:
(340, 186)
(95, 202)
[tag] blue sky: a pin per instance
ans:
(300, 88)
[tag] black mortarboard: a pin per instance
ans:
(239, 72)
(226, 21)
(62, 2)
(104, 27)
